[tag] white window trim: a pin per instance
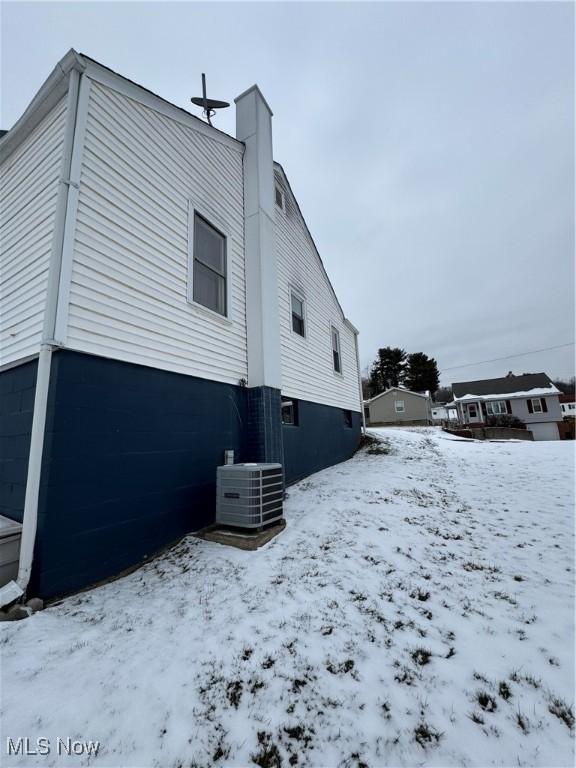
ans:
(278, 188)
(215, 222)
(490, 408)
(536, 400)
(397, 403)
(301, 297)
(333, 327)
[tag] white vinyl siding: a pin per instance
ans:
(29, 180)
(129, 292)
(308, 363)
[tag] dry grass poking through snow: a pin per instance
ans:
(418, 610)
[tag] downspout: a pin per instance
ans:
(30, 517)
(360, 392)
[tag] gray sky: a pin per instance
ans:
(430, 146)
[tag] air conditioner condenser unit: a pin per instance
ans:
(249, 495)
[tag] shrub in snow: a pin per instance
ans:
(506, 420)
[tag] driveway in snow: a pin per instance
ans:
(418, 610)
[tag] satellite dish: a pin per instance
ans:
(209, 106)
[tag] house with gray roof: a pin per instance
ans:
(531, 397)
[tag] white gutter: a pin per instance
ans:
(30, 517)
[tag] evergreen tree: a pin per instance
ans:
(387, 370)
(421, 373)
(443, 395)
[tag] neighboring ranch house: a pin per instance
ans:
(530, 397)
(398, 406)
(162, 302)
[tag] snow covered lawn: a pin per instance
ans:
(418, 610)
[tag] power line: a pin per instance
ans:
(508, 357)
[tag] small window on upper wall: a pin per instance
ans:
(289, 412)
(336, 357)
(399, 406)
(536, 405)
(279, 196)
(207, 268)
(297, 308)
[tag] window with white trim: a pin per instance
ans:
(207, 267)
(536, 405)
(399, 406)
(496, 407)
(297, 309)
(336, 356)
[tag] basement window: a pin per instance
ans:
(347, 419)
(336, 356)
(207, 264)
(289, 412)
(297, 307)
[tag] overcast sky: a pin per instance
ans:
(430, 146)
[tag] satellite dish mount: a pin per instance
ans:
(209, 106)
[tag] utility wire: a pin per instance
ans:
(508, 357)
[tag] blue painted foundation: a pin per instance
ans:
(130, 456)
(130, 459)
(17, 390)
(320, 440)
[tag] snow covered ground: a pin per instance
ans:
(418, 610)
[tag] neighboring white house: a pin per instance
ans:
(399, 406)
(162, 301)
(441, 412)
(530, 397)
(568, 405)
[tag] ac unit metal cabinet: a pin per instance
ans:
(249, 495)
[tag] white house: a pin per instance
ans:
(162, 301)
(568, 406)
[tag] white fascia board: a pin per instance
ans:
(131, 90)
(50, 93)
(352, 327)
(536, 392)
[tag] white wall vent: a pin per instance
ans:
(249, 495)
